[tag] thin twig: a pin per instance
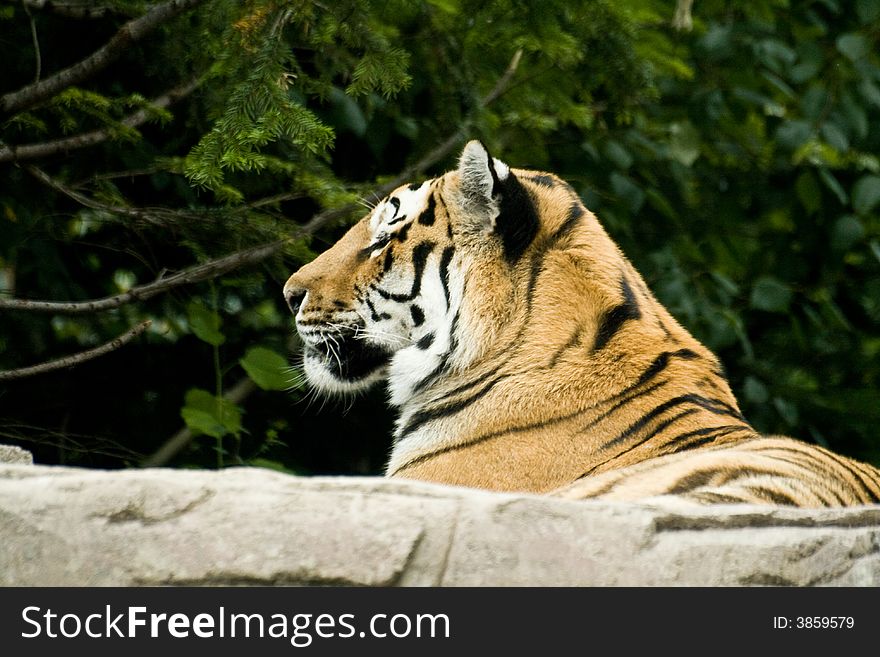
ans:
(82, 199)
(131, 32)
(45, 149)
(73, 9)
(195, 274)
(38, 63)
(75, 359)
(683, 19)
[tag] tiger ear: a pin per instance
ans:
(495, 199)
(481, 177)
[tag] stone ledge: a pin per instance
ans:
(68, 526)
(13, 454)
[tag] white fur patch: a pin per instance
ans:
(402, 202)
(412, 365)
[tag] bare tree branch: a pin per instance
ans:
(45, 149)
(195, 274)
(133, 31)
(683, 20)
(82, 199)
(75, 359)
(73, 9)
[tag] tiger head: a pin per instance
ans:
(421, 287)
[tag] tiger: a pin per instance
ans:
(523, 352)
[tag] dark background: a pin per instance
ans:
(734, 162)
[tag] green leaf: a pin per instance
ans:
(808, 192)
(868, 11)
(628, 192)
(684, 143)
(770, 294)
(346, 112)
(853, 46)
(835, 136)
(267, 368)
(846, 233)
(787, 410)
(831, 183)
(755, 391)
(205, 323)
(207, 414)
(618, 155)
(866, 194)
(792, 134)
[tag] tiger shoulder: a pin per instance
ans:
(522, 351)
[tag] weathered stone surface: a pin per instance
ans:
(66, 526)
(12, 454)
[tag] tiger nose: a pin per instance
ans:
(294, 295)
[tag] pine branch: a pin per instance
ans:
(430, 158)
(214, 268)
(133, 31)
(45, 149)
(75, 359)
(195, 274)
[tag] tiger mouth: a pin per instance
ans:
(348, 359)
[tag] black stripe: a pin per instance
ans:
(774, 496)
(373, 314)
(444, 359)
(445, 260)
(682, 442)
(402, 233)
(542, 180)
(856, 471)
(419, 258)
(575, 212)
(573, 341)
(662, 361)
(427, 217)
(694, 479)
(536, 425)
(660, 427)
(418, 316)
(712, 497)
(517, 221)
(423, 417)
(396, 220)
(808, 466)
(613, 320)
(388, 261)
(414, 186)
(425, 341)
(715, 406)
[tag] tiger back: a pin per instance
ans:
(523, 352)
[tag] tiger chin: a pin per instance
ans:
(523, 352)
